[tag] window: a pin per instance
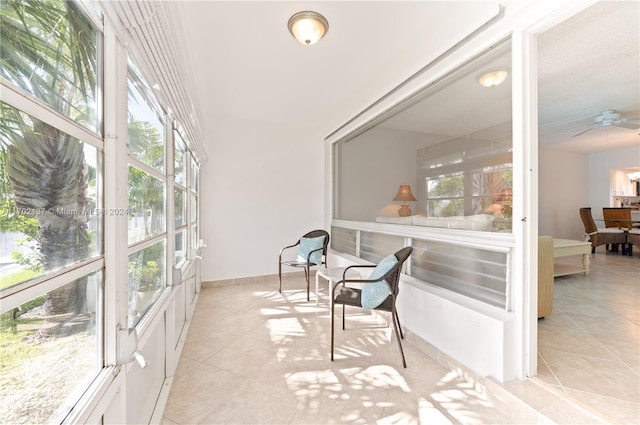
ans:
(180, 200)
(445, 196)
(147, 199)
(451, 143)
(53, 56)
(193, 182)
(51, 215)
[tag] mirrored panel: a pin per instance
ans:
(441, 159)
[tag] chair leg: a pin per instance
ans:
(404, 362)
(280, 276)
(332, 320)
(343, 314)
(399, 325)
(307, 272)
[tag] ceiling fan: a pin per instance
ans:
(610, 118)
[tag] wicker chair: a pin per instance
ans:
(598, 236)
(312, 252)
(345, 295)
(633, 238)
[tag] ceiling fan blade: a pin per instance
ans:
(628, 125)
(582, 132)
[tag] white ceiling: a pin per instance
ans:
(588, 64)
(245, 64)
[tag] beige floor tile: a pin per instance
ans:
(592, 374)
(254, 355)
(562, 412)
(617, 410)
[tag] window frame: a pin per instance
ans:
(19, 294)
(147, 319)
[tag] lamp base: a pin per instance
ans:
(404, 210)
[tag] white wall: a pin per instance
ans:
(569, 181)
(563, 190)
(369, 182)
(262, 188)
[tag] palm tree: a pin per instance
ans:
(49, 50)
(146, 193)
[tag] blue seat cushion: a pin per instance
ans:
(374, 294)
(308, 245)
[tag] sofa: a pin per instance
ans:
(545, 276)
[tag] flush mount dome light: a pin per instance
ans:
(308, 27)
(493, 77)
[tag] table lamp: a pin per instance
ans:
(404, 194)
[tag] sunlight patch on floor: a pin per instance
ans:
(285, 326)
(429, 414)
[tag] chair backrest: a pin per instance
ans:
(393, 278)
(316, 234)
(587, 220)
(612, 217)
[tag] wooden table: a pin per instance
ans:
(567, 247)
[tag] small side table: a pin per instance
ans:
(333, 275)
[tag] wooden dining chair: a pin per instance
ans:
(617, 217)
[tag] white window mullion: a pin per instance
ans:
(170, 199)
(116, 197)
(20, 294)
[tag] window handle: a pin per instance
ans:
(128, 348)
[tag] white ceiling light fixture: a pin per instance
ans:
(308, 27)
(494, 77)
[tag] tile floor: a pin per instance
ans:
(254, 356)
(589, 348)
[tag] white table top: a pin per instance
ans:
(336, 273)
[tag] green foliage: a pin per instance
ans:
(447, 187)
(13, 346)
(146, 268)
(10, 220)
(11, 279)
(453, 208)
(150, 274)
(49, 51)
(146, 193)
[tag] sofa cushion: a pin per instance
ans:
(395, 220)
(482, 222)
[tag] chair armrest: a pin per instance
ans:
(343, 281)
(344, 274)
(311, 252)
(287, 247)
